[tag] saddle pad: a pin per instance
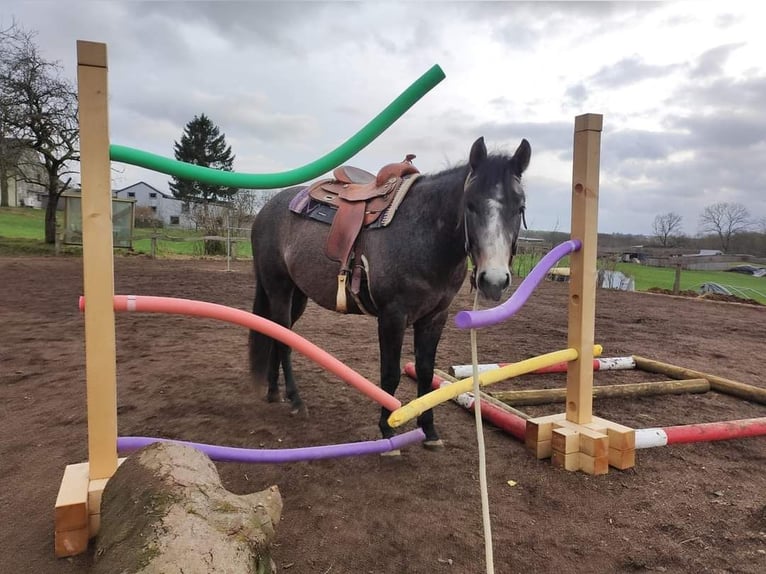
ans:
(303, 205)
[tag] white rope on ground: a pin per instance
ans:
(488, 553)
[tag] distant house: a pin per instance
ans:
(166, 208)
(24, 172)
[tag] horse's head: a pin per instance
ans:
(493, 212)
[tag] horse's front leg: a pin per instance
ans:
(428, 332)
(391, 327)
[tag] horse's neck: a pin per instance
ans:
(443, 204)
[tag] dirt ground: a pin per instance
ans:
(693, 508)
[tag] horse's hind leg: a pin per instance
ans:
(272, 395)
(428, 332)
(264, 362)
(298, 305)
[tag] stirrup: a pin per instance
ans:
(340, 298)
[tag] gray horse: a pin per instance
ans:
(416, 266)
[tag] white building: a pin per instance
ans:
(170, 211)
(24, 172)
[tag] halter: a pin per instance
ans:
(468, 240)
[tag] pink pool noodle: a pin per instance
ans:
(171, 305)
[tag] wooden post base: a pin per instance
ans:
(591, 448)
(77, 514)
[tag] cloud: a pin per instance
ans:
(631, 70)
(712, 62)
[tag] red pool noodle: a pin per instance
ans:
(174, 306)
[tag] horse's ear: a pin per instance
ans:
(521, 157)
(478, 154)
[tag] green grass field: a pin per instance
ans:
(739, 284)
(22, 223)
(22, 233)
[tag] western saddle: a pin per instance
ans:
(360, 199)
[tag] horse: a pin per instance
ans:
(416, 265)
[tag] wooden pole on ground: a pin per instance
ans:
(727, 386)
(582, 279)
(545, 396)
(485, 396)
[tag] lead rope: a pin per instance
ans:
(488, 556)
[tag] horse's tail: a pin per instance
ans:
(260, 345)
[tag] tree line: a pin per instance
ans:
(728, 225)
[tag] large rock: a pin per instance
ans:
(165, 511)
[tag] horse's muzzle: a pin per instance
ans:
(492, 282)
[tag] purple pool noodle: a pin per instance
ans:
(272, 456)
(487, 317)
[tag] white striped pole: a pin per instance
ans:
(601, 364)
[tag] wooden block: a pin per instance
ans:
(594, 464)
(596, 427)
(620, 436)
(592, 443)
(540, 449)
(70, 542)
(622, 440)
(95, 491)
(565, 440)
(540, 428)
(94, 523)
(569, 461)
(622, 459)
(71, 511)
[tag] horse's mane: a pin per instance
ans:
(495, 165)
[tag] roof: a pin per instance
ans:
(144, 184)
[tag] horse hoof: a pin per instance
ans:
(395, 452)
(437, 444)
(273, 398)
(300, 411)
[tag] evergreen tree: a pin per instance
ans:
(202, 143)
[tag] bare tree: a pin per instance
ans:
(39, 108)
(666, 226)
(10, 152)
(725, 220)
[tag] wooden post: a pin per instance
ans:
(677, 280)
(576, 440)
(76, 514)
(98, 263)
(582, 279)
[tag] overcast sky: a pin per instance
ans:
(682, 87)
